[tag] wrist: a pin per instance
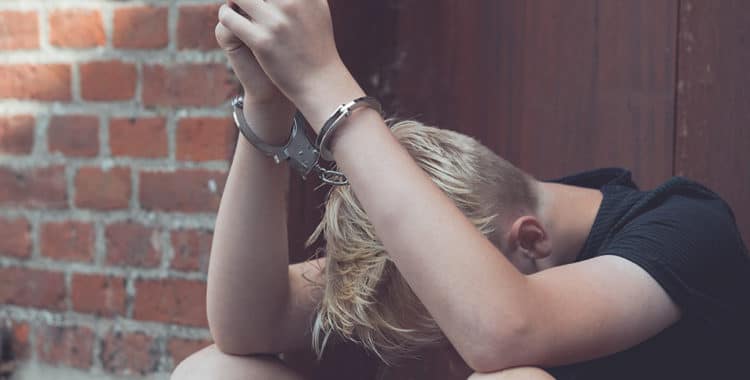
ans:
(325, 92)
(271, 121)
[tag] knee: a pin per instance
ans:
(211, 363)
(520, 373)
(197, 361)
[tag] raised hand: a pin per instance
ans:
(254, 81)
(266, 108)
(293, 43)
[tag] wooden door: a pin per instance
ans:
(656, 86)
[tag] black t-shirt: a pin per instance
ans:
(686, 238)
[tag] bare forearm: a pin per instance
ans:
(248, 271)
(463, 280)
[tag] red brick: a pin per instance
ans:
(119, 83)
(32, 288)
(179, 349)
(98, 294)
(103, 189)
(191, 250)
(195, 27)
(15, 238)
(129, 353)
(141, 27)
(76, 28)
(171, 301)
(192, 190)
(205, 139)
(74, 135)
(18, 344)
(131, 244)
(69, 346)
(19, 30)
(34, 187)
(208, 84)
(16, 134)
(45, 82)
(69, 241)
(146, 137)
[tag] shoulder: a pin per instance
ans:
(681, 209)
(689, 243)
(678, 228)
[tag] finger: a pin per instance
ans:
(240, 57)
(226, 39)
(247, 31)
(237, 8)
(258, 10)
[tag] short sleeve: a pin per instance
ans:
(693, 249)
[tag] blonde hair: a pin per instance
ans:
(365, 298)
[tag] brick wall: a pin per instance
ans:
(114, 139)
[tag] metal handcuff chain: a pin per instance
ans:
(302, 155)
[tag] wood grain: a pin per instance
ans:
(553, 86)
(713, 101)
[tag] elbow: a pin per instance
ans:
(499, 349)
(239, 334)
(221, 331)
(234, 338)
(487, 363)
(229, 347)
(226, 343)
(234, 344)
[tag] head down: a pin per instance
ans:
(365, 298)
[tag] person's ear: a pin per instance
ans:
(528, 234)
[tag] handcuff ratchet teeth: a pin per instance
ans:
(302, 155)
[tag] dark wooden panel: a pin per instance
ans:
(554, 86)
(713, 101)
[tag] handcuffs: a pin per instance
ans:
(303, 155)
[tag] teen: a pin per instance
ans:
(586, 277)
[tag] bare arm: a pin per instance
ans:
(257, 303)
(491, 313)
(439, 252)
(496, 317)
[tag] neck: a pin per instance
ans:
(568, 213)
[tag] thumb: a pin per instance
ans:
(241, 58)
(226, 39)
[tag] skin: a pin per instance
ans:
(504, 310)
(521, 373)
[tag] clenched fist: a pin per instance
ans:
(267, 110)
(293, 43)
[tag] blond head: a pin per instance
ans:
(365, 298)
